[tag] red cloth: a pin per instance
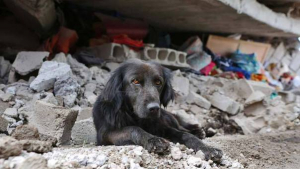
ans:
(206, 70)
(124, 39)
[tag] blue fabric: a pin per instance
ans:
(247, 62)
(227, 65)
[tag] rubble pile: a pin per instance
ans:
(53, 107)
(119, 157)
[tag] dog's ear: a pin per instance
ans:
(167, 93)
(112, 97)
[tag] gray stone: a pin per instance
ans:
(195, 109)
(31, 79)
(84, 132)
(2, 86)
(84, 113)
(12, 90)
(59, 121)
(27, 62)
(176, 153)
(91, 97)
(48, 74)
(194, 98)
(224, 103)
(112, 66)
(180, 85)
(6, 97)
(49, 98)
(9, 147)
(83, 74)
(11, 112)
(67, 88)
(255, 97)
(263, 87)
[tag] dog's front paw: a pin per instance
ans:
(213, 154)
(158, 145)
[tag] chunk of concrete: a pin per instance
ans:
(60, 57)
(26, 132)
(9, 147)
(180, 84)
(11, 112)
(3, 124)
(48, 74)
(27, 62)
(224, 103)
(263, 87)
(110, 51)
(53, 121)
(194, 98)
(67, 88)
(84, 113)
(35, 161)
(249, 125)
(36, 146)
(84, 131)
(81, 72)
(6, 97)
(255, 97)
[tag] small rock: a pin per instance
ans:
(194, 161)
(12, 90)
(9, 147)
(5, 96)
(84, 113)
(48, 74)
(194, 98)
(34, 162)
(36, 146)
(176, 153)
(11, 112)
(256, 96)
(83, 74)
(27, 62)
(3, 124)
(26, 132)
(200, 154)
(224, 103)
(84, 131)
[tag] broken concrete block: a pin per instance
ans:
(110, 51)
(60, 57)
(49, 98)
(36, 146)
(6, 97)
(255, 109)
(263, 87)
(224, 103)
(256, 96)
(180, 84)
(189, 118)
(59, 121)
(11, 112)
(84, 131)
(9, 147)
(249, 125)
(27, 62)
(67, 88)
(26, 132)
(194, 98)
(165, 56)
(48, 74)
(244, 89)
(81, 72)
(84, 113)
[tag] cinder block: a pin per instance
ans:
(165, 56)
(110, 51)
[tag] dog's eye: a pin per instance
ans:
(158, 82)
(135, 81)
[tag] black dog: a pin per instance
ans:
(128, 111)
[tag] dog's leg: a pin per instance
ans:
(137, 136)
(193, 142)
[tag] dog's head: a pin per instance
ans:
(141, 87)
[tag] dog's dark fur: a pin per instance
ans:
(129, 113)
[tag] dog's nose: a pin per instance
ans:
(153, 107)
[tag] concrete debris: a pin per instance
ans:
(224, 103)
(67, 88)
(60, 57)
(194, 98)
(36, 146)
(27, 62)
(112, 66)
(3, 124)
(6, 97)
(59, 121)
(48, 74)
(180, 84)
(84, 113)
(26, 132)
(11, 112)
(34, 162)
(9, 147)
(84, 132)
(256, 96)
(81, 72)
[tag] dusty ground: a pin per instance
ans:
(274, 151)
